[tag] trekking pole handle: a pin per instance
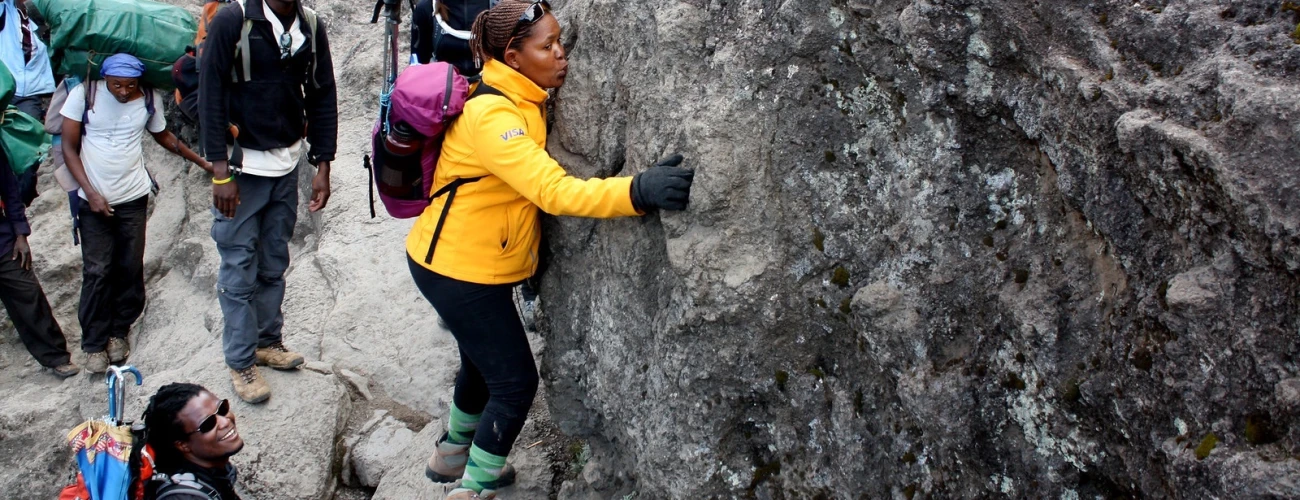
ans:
(392, 9)
(117, 390)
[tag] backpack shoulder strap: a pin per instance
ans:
(309, 17)
(450, 191)
(241, 48)
(484, 89)
(245, 54)
(91, 86)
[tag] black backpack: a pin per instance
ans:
(182, 485)
(440, 32)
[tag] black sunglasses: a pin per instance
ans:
(206, 426)
(285, 42)
(535, 11)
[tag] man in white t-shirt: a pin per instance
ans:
(104, 122)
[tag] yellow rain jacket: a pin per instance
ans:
(492, 233)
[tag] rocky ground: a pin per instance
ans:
(360, 420)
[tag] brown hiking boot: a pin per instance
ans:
(97, 362)
(447, 464)
(279, 357)
(249, 385)
(67, 369)
(118, 350)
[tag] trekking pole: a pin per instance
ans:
(392, 10)
(117, 391)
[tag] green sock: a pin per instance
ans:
(461, 426)
(483, 470)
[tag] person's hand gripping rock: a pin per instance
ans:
(665, 185)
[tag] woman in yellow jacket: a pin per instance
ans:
(479, 237)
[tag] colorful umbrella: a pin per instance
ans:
(103, 446)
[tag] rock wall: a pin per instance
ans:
(935, 249)
(359, 421)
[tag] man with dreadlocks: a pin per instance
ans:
(490, 236)
(193, 437)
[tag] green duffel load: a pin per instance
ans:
(23, 138)
(85, 32)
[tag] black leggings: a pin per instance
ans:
(497, 377)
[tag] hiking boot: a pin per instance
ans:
(464, 494)
(249, 385)
(278, 356)
(447, 464)
(67, 369)
(97, 362)
(118, 349)
(528, 314)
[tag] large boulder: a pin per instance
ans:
(948, 248)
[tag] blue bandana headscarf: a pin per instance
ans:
(123, 66)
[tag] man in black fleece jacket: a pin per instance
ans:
(285, 91)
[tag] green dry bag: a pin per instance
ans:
(24, 140)
(85, 32)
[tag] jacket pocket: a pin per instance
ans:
(506, 229)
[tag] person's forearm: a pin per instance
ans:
(190, 155)
(171, 143)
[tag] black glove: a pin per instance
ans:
(665, 186)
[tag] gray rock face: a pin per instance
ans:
(942, 248)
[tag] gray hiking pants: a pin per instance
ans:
(254, 248)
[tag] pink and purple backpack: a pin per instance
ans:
(407, 140)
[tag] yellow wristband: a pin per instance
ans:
(223, 181)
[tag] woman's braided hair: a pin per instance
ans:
(494, 28)
(162, 427)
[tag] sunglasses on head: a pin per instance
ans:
(535, 11)
(206, 426)
(285, 42)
